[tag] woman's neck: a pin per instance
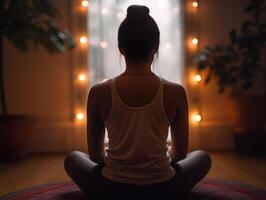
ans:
(138, 68)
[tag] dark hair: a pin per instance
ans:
(138, 34)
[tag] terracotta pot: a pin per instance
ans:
(248, 112)
(14, 135)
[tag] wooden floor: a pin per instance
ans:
(39, 169)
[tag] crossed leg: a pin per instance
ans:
(192, 169)
(84, 172)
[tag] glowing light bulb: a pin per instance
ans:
(80, 116)
(84, 3)
(105, 11)
(82, 77)
(197, 77)
(195, 41)
(195, 4)
(104, 44)
(196, 117)
(83, 40)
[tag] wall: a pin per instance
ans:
(40, 84)
(215, 19)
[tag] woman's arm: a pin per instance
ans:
(179, 128)
(95, 129)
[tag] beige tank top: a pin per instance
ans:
(137, 153)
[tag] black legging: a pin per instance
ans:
(87, 175)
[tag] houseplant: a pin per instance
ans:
(239, 69)
(25, 24)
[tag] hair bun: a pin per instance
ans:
(137, 12)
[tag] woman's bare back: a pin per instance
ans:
(136, 91)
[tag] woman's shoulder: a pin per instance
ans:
(101, 85)
(174, 96)
(99, 89)
(173, 87)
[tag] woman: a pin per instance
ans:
(137, 107)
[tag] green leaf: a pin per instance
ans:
(31, 23)
(208, 78)
(249, 8)
(201, 65)
(221, 89)
(233, 36)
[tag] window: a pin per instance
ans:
(104, 19)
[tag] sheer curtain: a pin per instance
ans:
(104, 19)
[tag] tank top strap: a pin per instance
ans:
(113, 100)
(112, 86)
(160, 92)
(115, 95)
(160, 85)
(113, 92)
(161, 102)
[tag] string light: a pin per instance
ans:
(104, 44)
(196, 118)
(82, 77)
(83, 40)
(195, 41)
(80, 116)
(193, 44)
(195, 4)
(197, 77)
(84, 3)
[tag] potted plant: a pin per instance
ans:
(239, 70)
(25, 24)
